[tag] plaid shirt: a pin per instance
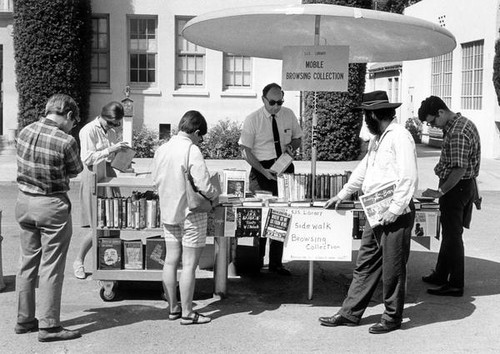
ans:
(461, 148)
(47, 158)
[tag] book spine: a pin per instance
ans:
(116, 213)
(130, 214)
(142, 213)
(109, 212)
(101, 213)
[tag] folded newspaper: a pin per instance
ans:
(376, 203)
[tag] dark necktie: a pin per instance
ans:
(276, 136)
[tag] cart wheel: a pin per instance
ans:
(107, 296)
(108, 290)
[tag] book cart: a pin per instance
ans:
(330, 235)
(112, 275)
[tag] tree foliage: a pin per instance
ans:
(397, 6)
(221, 141)
(52, 42)
(496, 70)
(337, 135)
(338, 124)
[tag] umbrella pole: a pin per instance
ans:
(317, 21)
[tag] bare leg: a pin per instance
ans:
(190, 260)
(174, 251)
(84, 248)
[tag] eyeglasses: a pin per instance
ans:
(273, 102)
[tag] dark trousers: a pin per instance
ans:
(260, 182)
(456, 208)
(383, 253)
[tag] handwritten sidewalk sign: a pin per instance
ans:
(315, 68)
(319, 235)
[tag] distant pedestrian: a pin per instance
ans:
(457, 170)
(47, 157)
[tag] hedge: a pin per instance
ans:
(52, 46)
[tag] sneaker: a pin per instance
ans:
(31, 326)
(79, 270)
(56, 334)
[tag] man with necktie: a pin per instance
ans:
(266, 134)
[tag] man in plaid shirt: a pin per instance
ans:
(47, 157)
(457, 170)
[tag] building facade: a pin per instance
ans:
(462, 78)
(138, 43)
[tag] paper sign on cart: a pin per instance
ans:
(319, 235)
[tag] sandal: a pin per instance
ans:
(196, 319)
(79, 270)
(172, 316)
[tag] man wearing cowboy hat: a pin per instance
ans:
(384, 249)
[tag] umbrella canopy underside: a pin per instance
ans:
(372, 36)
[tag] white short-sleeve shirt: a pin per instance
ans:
(257, 132)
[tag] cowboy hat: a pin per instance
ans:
(376, 100)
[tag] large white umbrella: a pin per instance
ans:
(372, 36)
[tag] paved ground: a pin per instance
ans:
(269, 313)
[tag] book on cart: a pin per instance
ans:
(133, 254)
(281, 164)
(376, 203)
(234, 182)
(123, 159)
(110, 253)
(277, 224)
(248, 222)
(156, 250)
(426, 224)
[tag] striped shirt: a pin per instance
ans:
(461, 148)
(47, 158)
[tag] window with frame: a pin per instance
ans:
(143, 50)
(190, 60)
(472, 75)
(99, 64)
(441, 77)
(237, 71)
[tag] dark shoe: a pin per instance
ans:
(31, 326)
(57, 333)
(280, 271)
(446, 290)
(433, 279)
(384, 327)
(336, 320)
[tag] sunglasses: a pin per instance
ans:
(273, 102)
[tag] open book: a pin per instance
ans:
(376, 203)
(123, 159)
(281, 164)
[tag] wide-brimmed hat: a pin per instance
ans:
(376, 100)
